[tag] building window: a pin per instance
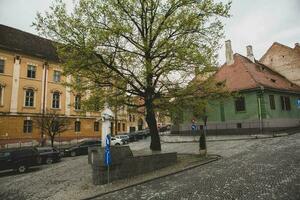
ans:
(29, 98)
(1, 66)
(27, 128)
(123, 127)
(31, 71)
(1, 94)
(77, 102)
(130, 117)
(272, 102)
(77, 126)
(96, 126)
(285, 103)
(55, 100)
(56, 76)
(240, 104)
(239, 125)
(119, 127)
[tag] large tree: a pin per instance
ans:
(144, 48)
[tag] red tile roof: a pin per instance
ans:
(243, 74)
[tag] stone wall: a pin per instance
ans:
(124, 164)
(284, 60)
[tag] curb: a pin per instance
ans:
(217, 157)
(237, 139)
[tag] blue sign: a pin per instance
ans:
(194, 127)
(107, 156)
(298, 103)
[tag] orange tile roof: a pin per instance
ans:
(243, 74)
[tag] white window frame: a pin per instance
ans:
(34, 96)
(75, 103)
(59, 102)
(27, 132)
(55, 72)
(35, 70)
(33, 99)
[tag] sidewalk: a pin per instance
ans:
(168, 138)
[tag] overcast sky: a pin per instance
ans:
(255, 22)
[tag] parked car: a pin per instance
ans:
(116, 141)
(132, 137)
(81, 148)
(19, 159)
(123, 137)
(141, 134)
(49, 154)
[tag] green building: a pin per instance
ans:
(267, 101)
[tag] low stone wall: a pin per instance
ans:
(220, 132)
(124, 164)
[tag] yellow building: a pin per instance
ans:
(30, 84)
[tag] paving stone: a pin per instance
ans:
(268, 169)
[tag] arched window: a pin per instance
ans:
(29, 98)
(55, 99)
(77, 102)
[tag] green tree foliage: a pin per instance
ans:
(145, 48)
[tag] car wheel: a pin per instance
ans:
(117, 144)
(22, 169)
(49, 161)
(73, 153)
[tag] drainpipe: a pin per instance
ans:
(260, 109)
(44, 101)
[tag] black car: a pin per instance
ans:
(133, 137)
(81, 148)
(141, 134)
(49, 154)
(19, 159)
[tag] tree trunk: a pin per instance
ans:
(52, 141)
(151, 121)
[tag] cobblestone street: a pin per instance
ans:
(267, 169)
(249, 169)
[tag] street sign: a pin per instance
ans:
(107, 156)
(194, 127)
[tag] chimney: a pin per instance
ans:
(250, 55)
(228, 53)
